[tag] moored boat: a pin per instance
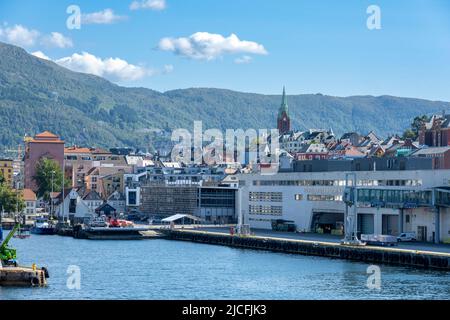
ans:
(43, 226)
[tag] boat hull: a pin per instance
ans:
(44, 231)
(108, 233)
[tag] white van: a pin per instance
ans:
(406, 237)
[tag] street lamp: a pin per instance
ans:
(51, 199)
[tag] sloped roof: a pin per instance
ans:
(179, 217)
(46, 134)
(92, 195)
(431, 151)
(29, 195)
(46, 137)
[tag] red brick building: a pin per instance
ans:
(43, 145)
(436, 132)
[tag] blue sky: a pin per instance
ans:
(309, 46)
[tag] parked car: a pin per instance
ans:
(379, 240)
(406, 237)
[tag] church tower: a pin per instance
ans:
(283, 121)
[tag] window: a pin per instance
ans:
(313, 197)
(407, 218)
(266, 196)
(266, 210)
(73, 206)
(132, 199)
(298, 197)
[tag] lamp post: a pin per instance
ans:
(51, 199)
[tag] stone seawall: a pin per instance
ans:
(369, 254)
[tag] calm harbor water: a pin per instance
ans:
(161, 269)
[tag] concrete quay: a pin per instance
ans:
(369, 254)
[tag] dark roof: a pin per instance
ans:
(105, 207)
(92, 195)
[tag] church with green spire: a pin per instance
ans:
(284, 121)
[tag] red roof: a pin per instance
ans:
(29, 195)
(46, 137)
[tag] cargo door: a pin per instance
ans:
(366, 223)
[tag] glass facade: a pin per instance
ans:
(339, 183)
(395, 197)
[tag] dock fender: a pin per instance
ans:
(34, 281)
(408, 259)
(44, 269)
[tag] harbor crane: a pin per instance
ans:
(351, 211)
(8, 255)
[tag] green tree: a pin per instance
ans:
(49, 176)
(417, 123)
(10, 200)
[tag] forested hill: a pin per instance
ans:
(38, 95)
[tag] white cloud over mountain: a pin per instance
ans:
(24, 37)
(106, 16)
(40, 55)
(58, 40)
(148, 4)
(19, 35)
(113, 69)
(209, 46)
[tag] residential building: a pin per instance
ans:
(72, 207)
(43, 145)
(353, 138)
(7, 171)
(117, 200)
(30, 199)
(106, 179)
(313, 151)
(80, 160)
(92, 199)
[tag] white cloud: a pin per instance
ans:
(243, 60)
(56, 39)
(148, 4)
(114, 69)
(24, 37)
(19, 35)
(208, 46)
(41, 55)
(106, 16)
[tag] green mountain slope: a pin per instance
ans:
(37, 95)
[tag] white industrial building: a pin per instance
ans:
(314, 200)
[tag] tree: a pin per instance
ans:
(10, 200)
(48, 174)
(417, 123)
